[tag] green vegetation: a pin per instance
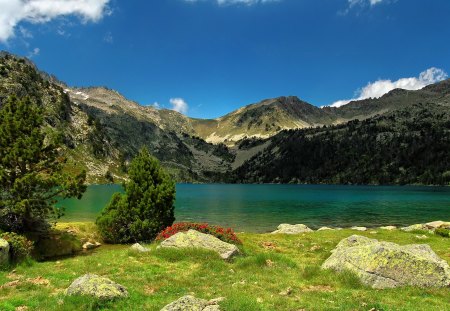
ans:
(145, 209)
(31, 170)
(443, 232)
(409, 146)
(20, 247)
(276, 272)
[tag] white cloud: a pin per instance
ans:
(108, 38)
(179, 105)
(12, 12)
(379, 88)
(34, 53)
(230, 2)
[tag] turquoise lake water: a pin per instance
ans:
(261, 208)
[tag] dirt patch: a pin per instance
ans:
(268, 245)
(318, 288)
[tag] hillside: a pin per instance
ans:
(406, 146)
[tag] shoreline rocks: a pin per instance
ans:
(387, 265)
(96, 286)
(292, 229)
(195, 239)
(4, 252)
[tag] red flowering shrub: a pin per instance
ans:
(226, 235)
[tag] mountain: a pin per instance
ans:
(101, 130)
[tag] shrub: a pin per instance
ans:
(442, 232)
(20, 246)
(145, 209)
(226, 235)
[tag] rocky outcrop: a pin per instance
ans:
(414, 228)
(389, 228)
(96, 286)
(139, 248)
(195, 239)
(359, 228)
(388, 265)
(437, 225)
(4, 252)
(190, 303)
(292, 229)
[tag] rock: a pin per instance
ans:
(436, 225)
(89, 245)
(96, 286)
(286, 292)
(389, 228)
(421, 237)
(190, 303)
(359, 228)
(324, 228)
(387, 265)
(139, 248)
(292, 229)
(195, 239)
(414, 227)
(4, 252)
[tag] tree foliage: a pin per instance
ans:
(145, 209)
(31, 170)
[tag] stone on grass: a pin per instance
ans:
(414, 227)
(359, 228)
(195, 239)
(139, 248)
(388, 265)
(437, 224)
(190, 303)
(324, 229)
(89, 245)
(389, 228)
(4, 252)
(292, 229)
(96, 286)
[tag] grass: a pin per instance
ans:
(270, 264)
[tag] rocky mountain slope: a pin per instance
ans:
(102, 130)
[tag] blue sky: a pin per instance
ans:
(209, 57)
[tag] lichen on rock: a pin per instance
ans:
(388, 265)
(190, 303)
(292, 229)
(96, 286)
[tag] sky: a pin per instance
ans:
(206, 58)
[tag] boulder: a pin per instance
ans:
(414, 227)
(437, 224)
(195, 239)
(96, 286)
(292, 229)
(324, 229)
(139, 248)
(388, 265)
(190, 303)
(359, 228)
(4, 252)
(389, 228)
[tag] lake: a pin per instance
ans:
(261, 208)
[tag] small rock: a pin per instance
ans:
(96, 286)
(190, 303)
(315, 248)
(139, 248)
(259, 300)
(324, 228)
(389, 228)
(373, 232)
(359, 228)
(414, 227)
(292, 229)
(286, 292)
(89, 245)
(270, 263)
(22, 308)
(421, 237)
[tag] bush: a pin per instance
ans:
(442, 232)
(145, 209)
(226, 235)
(20, 246)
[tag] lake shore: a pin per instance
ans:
(274, 272)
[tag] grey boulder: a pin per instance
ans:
(190, 303)
(388, 265)
(292, 229)
(96, 286)
(195, 239)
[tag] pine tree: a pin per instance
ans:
(145, 209)
(31, 170)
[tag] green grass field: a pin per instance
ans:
(257, 280)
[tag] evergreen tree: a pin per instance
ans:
(145, 209)
(31, 176)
